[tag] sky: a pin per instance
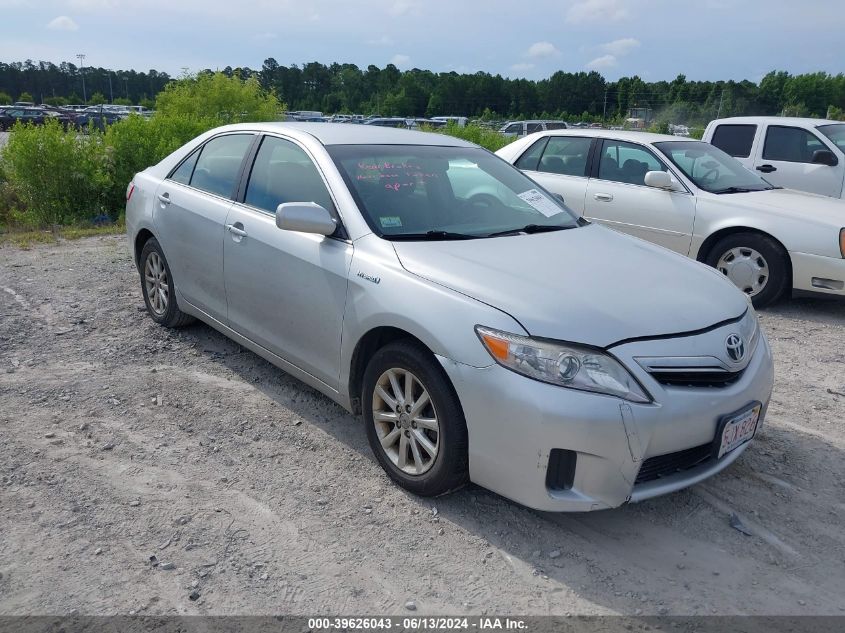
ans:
(655, 39)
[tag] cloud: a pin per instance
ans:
(603, 62)
(381, 41)
(521, 67)
(62, 23)
(621, 47)
(542, 49)
(400, 60)
(264, 37)
(596, 10)
(404, 7)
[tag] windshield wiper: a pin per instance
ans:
(531, 228)
(735, 190)
(431, 235)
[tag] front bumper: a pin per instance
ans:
(514, 424)
(814, 273)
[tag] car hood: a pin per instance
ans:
(789, 203)
(589, 285)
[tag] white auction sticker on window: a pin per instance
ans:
(541, 202)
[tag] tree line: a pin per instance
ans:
(390, 91)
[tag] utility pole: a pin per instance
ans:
(604, 112)
(111, 92)
(721, 99)
(81, 58)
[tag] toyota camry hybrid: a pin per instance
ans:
(503, 340)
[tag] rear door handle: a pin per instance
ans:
(603, 197)
(234, 230)
(766, 169)
(164, 198)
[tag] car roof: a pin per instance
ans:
(621, 135)
(776, 119)
(350, 134)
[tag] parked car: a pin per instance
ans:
(523, 128)
(560, 364)
(399, 122)
(803, 154)
(98, 117)
(460, 121)
(10, 116)
(692, 198)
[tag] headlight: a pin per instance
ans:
(564, 365)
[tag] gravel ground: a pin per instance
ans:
(121, 441)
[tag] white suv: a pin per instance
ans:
(803, 154)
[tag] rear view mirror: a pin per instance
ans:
(659, 180)
(825, 157)
(305, 217)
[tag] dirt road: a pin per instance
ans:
(120, 441)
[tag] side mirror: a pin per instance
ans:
(659, 180)
(825, 157)
(305, 217)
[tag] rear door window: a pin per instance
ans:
(735, 140)
(183, 172)
(219, 164)
(566, 155)
(530, 159)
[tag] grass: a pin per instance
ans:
(27, 238)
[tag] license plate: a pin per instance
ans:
(739, 429)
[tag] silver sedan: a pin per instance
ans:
(497, 338)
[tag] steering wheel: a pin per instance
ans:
(711, 176)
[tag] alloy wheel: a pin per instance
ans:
(156, 283)
(406, 421)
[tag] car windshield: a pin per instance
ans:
(836, 133)
(710, 168)
(433, 192)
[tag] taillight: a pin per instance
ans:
(129, 190)
(842, 242)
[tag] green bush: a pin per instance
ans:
(59, 176)
(219, 97)
(489, 139)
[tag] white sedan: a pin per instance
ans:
(693, 198)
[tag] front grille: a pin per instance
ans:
(696, 378)
(671, 463)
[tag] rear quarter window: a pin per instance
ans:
(735, 140)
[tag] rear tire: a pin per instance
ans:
(425, 418)
(158, 288)
(755, 263)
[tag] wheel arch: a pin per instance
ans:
(142, 237)
(711, 240)
(365, 348)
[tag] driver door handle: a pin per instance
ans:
(766, 169)
(603, 197)
(235, 230)
(164, 198)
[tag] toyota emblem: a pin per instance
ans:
(736, 348)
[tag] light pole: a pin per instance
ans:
(81, 58)
(111, 92)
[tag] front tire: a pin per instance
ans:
(755, 263)
(414, 421)
(158, 288)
